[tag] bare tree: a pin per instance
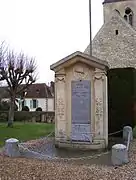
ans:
(16, 69)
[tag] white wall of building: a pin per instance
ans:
(50, 104)
(46, 104)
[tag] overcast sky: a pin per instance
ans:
(48, 29)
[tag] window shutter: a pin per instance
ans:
(37, 103)
(31, 104)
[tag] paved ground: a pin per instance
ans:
(46, 147)
(25, 169)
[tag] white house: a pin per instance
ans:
(36, 96)
(39, 96)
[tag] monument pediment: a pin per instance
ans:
(79, 57)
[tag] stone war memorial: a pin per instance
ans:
(81, 110)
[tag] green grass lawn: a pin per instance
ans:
(23, 132)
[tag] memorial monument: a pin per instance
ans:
(81, 112)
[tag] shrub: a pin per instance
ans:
(23, 116)
(19, 116)
(39, 109)
(4, 106)
(3, 117)
(26, 116)
(25, 108)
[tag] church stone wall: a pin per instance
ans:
(119, 50)
(108, 8)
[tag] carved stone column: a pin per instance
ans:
(60, 106)
(99, 103)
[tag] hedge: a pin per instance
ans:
(25, 115)
(121, 95)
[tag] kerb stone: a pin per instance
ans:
(12, 148)
(119, 155)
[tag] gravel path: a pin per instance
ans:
(25, 169)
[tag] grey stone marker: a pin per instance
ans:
(12, 148)
(119, 155)
(126, 131)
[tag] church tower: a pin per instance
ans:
(126, 8)
(115, 42)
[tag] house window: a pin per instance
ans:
(33, 104)
(129, 16)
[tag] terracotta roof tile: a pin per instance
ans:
(38, 91)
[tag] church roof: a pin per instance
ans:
(112, 1)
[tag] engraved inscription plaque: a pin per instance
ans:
(81, 132)
(81, 110)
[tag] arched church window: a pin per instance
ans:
(125, 17)
(128, 16)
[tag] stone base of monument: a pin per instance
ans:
(11, 148)
(119, 155)
(95, 145)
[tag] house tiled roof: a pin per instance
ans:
(38, 90)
